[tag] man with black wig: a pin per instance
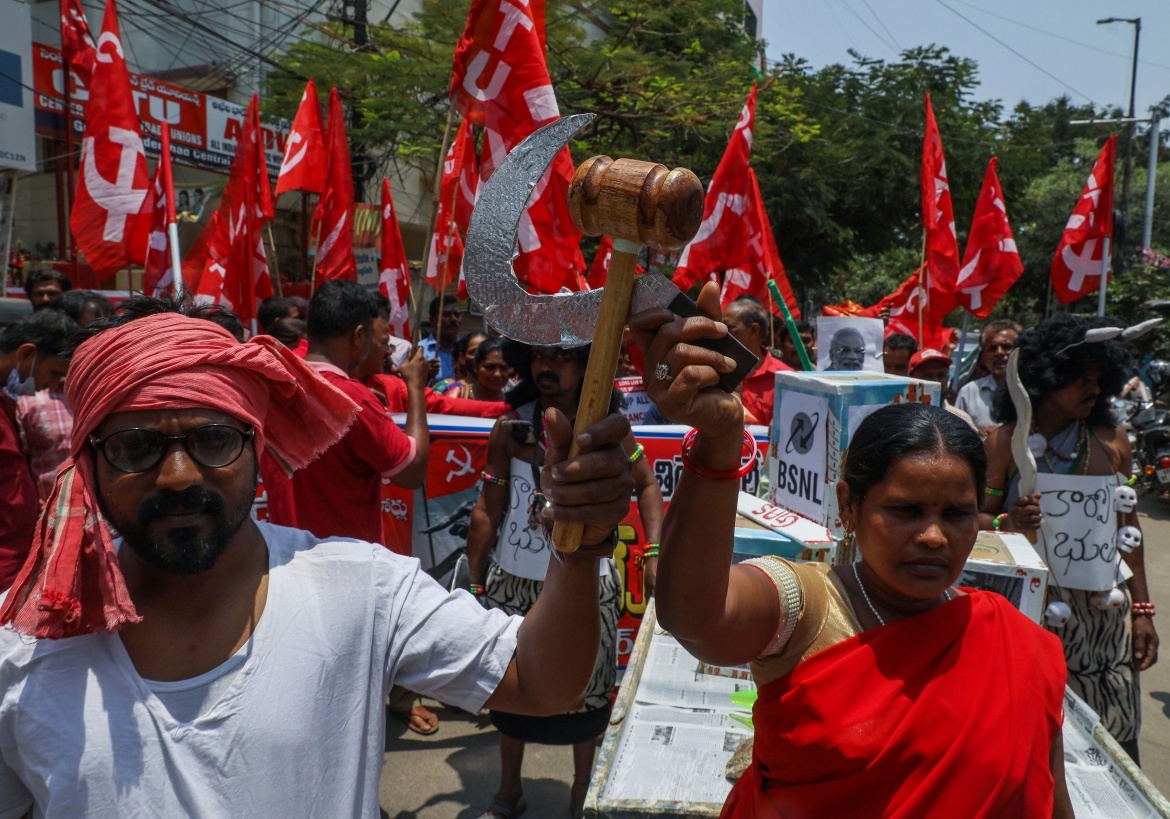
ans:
(508, 517)
(1071, 383)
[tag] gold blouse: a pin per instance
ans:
(824, 615)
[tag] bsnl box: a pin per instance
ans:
(815, 417)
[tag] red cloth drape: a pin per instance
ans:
(949, 713)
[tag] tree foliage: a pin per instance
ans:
(837, 149)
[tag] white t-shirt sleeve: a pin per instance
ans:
(445, 644)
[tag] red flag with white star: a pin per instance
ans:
(112, 181)
(394, 280)
(1076, 268)
(941, 266)
(992, 262)
(305, 160)
(333, 221)
(227, 264)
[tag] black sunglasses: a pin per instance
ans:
(140, 450)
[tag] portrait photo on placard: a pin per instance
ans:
(847, 343)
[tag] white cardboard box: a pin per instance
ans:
(1005, 562)
(815, 417)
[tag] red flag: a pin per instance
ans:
(735, 235)
(600, 267)
(76, 41)
(394, 280)
(500, 81)
(333, 221)
(107, 219)
(227, 263)
(1076, 268)
(457, 192)
(992, 263)
(851, 308)
(907, 305)
(158, 275)
(305, 160)
(941, 265)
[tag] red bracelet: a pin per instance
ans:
(1146, 609)
(750, 452)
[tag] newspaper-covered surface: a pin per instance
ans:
(679, 732)
(1100, 788)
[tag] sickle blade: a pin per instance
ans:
(563, 319)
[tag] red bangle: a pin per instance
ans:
(750, 452)
(1140, 609)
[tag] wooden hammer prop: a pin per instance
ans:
(635, 204)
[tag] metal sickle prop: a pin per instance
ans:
(634, 203)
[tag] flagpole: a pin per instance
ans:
(790, 323)
(172, 222)
(277, 288)
(1106, 252)
(70, 192)
(435, 193)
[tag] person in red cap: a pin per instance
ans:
(932, 365)
(207, 664)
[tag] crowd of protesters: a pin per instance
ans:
(329, 485)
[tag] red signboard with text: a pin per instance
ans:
(204, 130)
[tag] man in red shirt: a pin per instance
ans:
(340, 492)
(29, 360)
(391, 388)
(748, 321)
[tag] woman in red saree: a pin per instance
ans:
(884, 690)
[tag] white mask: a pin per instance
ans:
(18, 386)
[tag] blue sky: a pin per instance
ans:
(1045, 48)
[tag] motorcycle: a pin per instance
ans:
(1148, 426)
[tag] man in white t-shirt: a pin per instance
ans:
(208, 665)
(996, 343)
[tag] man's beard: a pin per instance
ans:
(185, 551)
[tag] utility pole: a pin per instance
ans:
(1127, 165)
(355, 13)
(1152, 169)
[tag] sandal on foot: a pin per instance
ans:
(421, 720)
(498, 809)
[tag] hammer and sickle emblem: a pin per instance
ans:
(120, 199)
(294, 159)
(463, 466)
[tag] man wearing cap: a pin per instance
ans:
(932, 365)
(210, 665)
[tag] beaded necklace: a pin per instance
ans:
(1081, 453)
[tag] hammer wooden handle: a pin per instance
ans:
(634, 203)
(597, 388)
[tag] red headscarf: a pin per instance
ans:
(71, 583)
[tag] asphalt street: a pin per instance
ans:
(453, 773)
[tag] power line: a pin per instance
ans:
(1039, 30)
(881, 23)
(1035, 65)
(868, 27)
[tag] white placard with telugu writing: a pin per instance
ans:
(1078, 530)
